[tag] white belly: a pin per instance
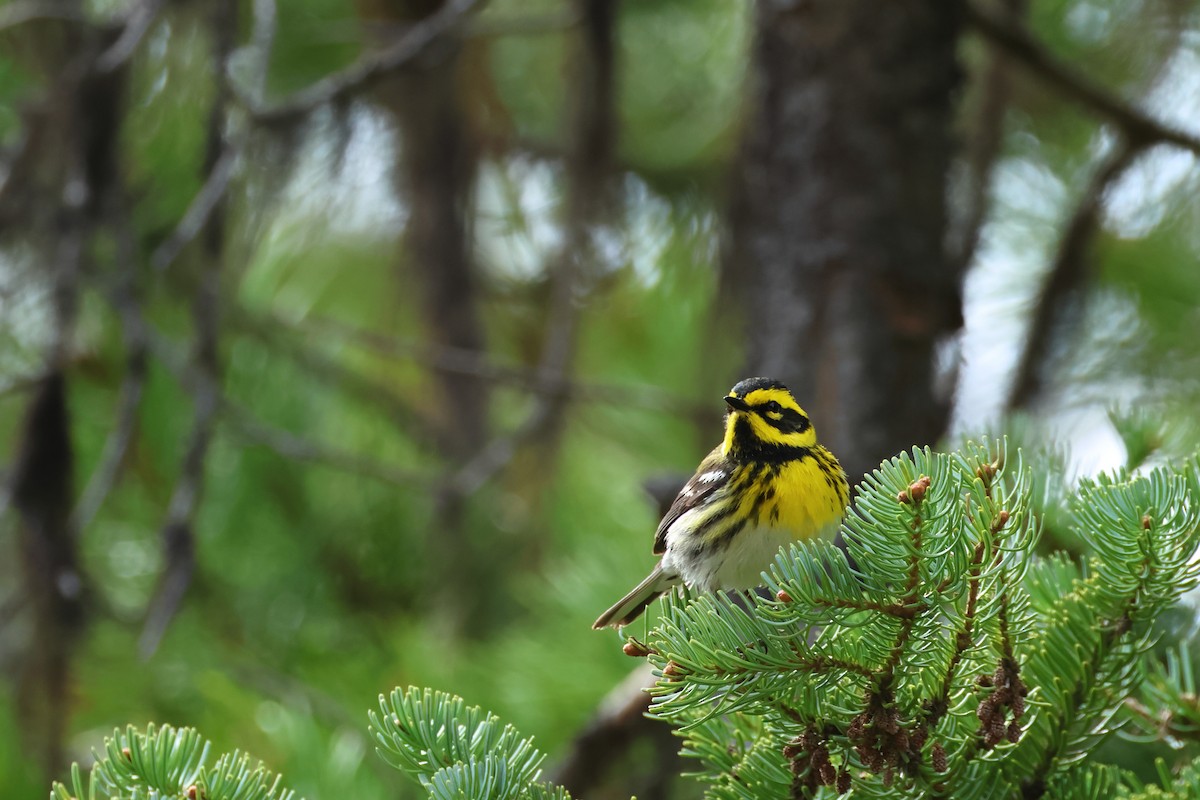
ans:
(739, 566)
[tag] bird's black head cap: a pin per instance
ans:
(744, 388)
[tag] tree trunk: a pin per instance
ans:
(839, 220)
(51, 203)
(434, 176)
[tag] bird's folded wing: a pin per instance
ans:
(712, 474)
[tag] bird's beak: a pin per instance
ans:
(737, 403)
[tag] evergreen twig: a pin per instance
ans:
(1009, 34)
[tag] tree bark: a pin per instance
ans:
(52, 202)
(434, 176)
(836, 251)
(53, 580)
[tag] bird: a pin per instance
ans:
(767, 484)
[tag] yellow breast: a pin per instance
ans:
(803, 497)
(811, 496)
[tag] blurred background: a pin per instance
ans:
(347, 345)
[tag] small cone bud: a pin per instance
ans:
(635, 649)
(917, 488)
(843, 781)
(938, 755)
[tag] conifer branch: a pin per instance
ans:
(1058, 300)
(170, 762)
(368, 70)
(1010, 35)
(137, 23)
(932, 704)
(129, 396)
(21, 12)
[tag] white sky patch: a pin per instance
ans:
(340, 190)
(350, 192)
(997, 297)
(1175, 98)
(1089, 23)
(1140, 200)
(521, 203)
(1162, 177)
(1028, 189)
(518, 216)
(648, 230)
(1000, 289)
(999, 293)
(26, 313)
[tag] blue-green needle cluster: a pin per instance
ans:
(167, 762)
(944, 658)
(938, 656)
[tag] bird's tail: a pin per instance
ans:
(631, 606)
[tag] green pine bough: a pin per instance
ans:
(169, 762)
(949, 661)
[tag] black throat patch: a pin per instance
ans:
(748, 447)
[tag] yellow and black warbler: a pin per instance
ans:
(767, 484)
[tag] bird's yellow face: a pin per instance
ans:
(763, 414)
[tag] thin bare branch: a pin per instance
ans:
(199, 211)
(133, 32)
(1010, 35)
(471, 476)
(593, 138)
(495, 26)
(1066, 276)
(295, 447)
(19, 13)
(530, 25)
(983, 147)
(496, 454)
(537, 379)
(248, 428)
(116, 446)
(369, 69)
(262, 39)
(545, 416)
(15, 384)
(224, 151)
(104, 477)
(178, 531)
(333, 372)
(17, 167)
(178, 534)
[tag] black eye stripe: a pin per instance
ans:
(792, 421)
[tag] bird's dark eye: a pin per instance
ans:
(773, 406)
